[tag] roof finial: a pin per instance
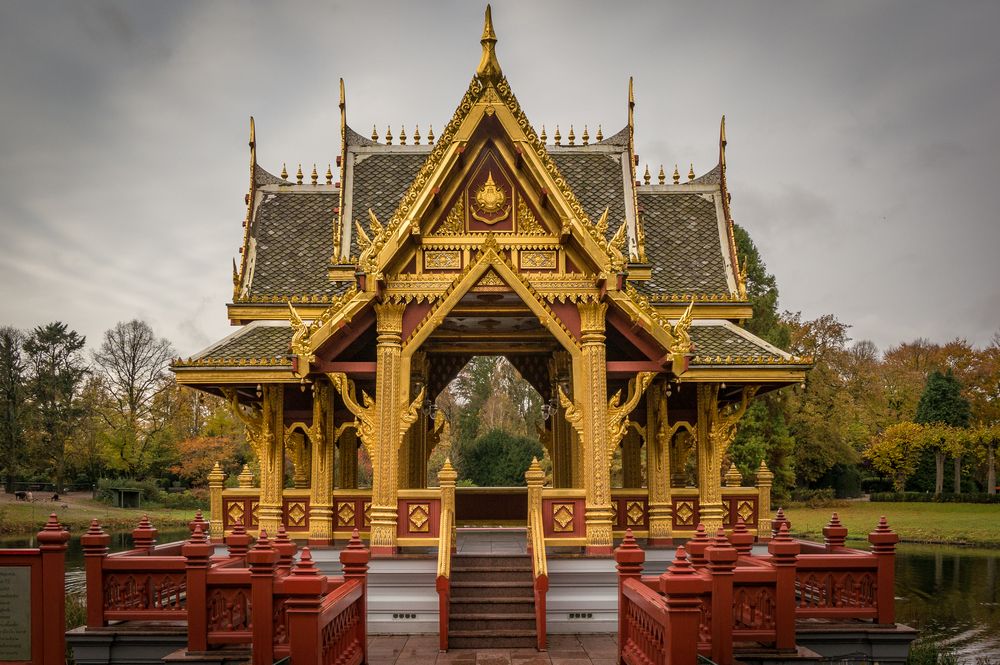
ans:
(631, 108)
(488, 65)
(558, 136)
(374, 134)
(586, 136)
(329, 175)
(543, 136)
(691, 172)
(402, 135)
(416, 135)
(646, 176)
(388, 135)
(314, 175)
(298, 174)
(253, 141)
(600, 134)
(430, 135)
(572, 136)
(284, 172)
(722, 142)
(677, 175)
(663, 176)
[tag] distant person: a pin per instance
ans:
(20, 495)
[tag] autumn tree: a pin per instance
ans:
(894, 452)
(13, 391)
(56, 373)
(132, 362)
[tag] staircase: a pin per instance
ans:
(492, 602)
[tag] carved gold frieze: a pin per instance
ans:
(539, 260)
(454, 223)
(419, 516)
(562, 517)
(437, 259)
(527, 223)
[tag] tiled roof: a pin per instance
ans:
(380, 181)
(252, 341)
(294, 244)
(262, 177)
(721, 340)
(682, 244)
(713, 177)
(597, 180)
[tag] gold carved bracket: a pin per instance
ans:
(618, 421)
(364, 414)
(574, 414)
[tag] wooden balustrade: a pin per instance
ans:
(535, 479)
(723, 594)
(253, 596)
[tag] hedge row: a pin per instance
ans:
(927, 497)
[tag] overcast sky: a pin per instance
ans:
(863, 137)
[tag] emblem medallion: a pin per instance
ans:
(491, 203)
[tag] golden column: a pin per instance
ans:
(268, 442)
(388, 405)
(658, 435)
(321, 478)
(715, 430)
(348, 469)
(216, 483)
(592, 395)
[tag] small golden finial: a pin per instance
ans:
(284, 172)
(677, 175)
(402, 135)
(329, 175)
(489, 66)
(646, 176)
(374, 134)
(298, 175)
(600, 134)
(586, 136)
(388, 135)
(722, 142)
(572, 136)
(430, 135)
(558, 136)
(691, 172)
(543, 137)
(416, 135)
(314, 175)
(663, 176)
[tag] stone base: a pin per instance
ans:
(801, 656)
(149, 643)
(225, 656)
(849, 642)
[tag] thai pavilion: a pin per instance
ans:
(359, 296)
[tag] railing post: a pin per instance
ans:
(305, 588)
(144, 536)
(883, 545)
(447, 477)
(261, 559)
(682, 587)
(199, 520)
(765, 480)
(741, 538)
(779, 519)
(52, 543)
(286, 548)
(354, 560)
(784, 556)
(629, 558)
(721, 562)
(696, 546)
(238, 542)
(216, 483)
(95, 548)
(197, 551)
(834, 533)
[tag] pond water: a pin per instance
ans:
(951, 594)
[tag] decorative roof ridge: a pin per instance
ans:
(264, 177)
(355, 139)
(619, 138)
(686, 188)
(712, 177)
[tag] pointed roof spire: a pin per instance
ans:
(488, 65)
(722, 142)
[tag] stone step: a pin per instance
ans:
(493, 621)
(504, 574)
(469, 605)
(486, 590)
(491, 639)
(480, 561)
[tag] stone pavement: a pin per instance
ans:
(423, 650)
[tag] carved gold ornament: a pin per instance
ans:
(634, 513)
(442, 259)
(420, 517)
(492, 205)
(539, 259)
(562, 517)
(345, 513)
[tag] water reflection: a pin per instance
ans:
(950, 594)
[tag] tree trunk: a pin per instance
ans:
(958, 475)
(938, 473)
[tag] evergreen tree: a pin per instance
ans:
(499, 459)
(57, 371)
(12, 402)
(942, 403)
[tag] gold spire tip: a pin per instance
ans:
(488, 65)
(343, 97)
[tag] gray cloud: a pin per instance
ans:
(863, 140)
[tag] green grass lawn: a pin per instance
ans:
(19, 517)
(953, 523)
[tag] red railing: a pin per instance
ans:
(252, 596)
(722, 594)
(39, 573)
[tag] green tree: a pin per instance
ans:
(142, 399)
(942, 403)
(499, 459)
(894, 452)
(13, 390)
(57, 371)
(762, 292)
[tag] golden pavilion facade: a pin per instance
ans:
(359, 295)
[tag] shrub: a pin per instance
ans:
(150, 491)
(498, 459)
(814, 498)
(928, 497)
(930, 653)
(192, 499)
